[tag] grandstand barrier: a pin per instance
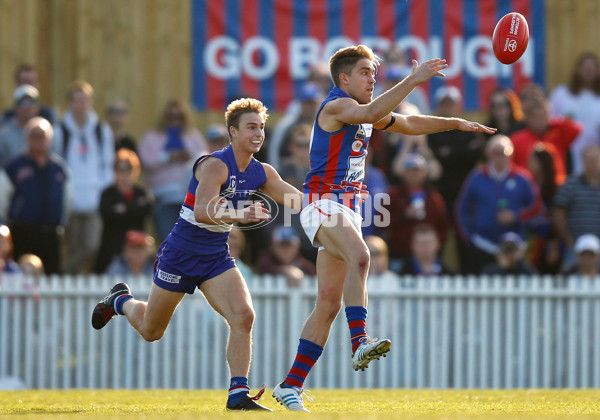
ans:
(454, 332)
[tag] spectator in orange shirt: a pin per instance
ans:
(540, 127)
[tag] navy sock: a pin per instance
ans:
(238, 389)
(119, 302)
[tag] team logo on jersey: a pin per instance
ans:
(230, 190)
(357, 145)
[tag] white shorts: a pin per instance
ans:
(313, 216)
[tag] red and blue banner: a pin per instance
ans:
(265, 48)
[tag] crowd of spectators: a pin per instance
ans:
(79, 194)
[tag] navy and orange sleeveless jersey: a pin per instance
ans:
(196, 238)
(337, 161)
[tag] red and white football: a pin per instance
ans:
(510, 38)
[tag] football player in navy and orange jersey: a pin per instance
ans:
(332, 194)
(195, 254)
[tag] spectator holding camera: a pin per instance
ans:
(413, 201)
(510, 257)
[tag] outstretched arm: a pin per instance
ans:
(280, 191)
(427, 124)
(209, 208)
(349, 111)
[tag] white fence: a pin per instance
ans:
(446, 333)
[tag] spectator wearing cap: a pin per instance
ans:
(117, 116)
(587, 256)
(510, 257)
(496, 198)
(283, 257)
(576, 208)
(13, 140)
(26, 74)
(124, 206)
(302, 110)
(86, 143)
(413, 201)
(35, 195)
(457, 151)
(137, 256)
(216, 137)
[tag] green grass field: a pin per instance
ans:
(328, 404)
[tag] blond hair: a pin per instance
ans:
(243, 106)
(129, 156)
(80, 86)
(34, 261)
(344, 60)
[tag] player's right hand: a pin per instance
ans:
(254, 213)
(428, 69)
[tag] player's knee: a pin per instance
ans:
(152, 334)
(360, 259)
(243, 319)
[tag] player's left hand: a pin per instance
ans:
(430, 68)
(464, 125)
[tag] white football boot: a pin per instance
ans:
(290, 398)
(368, 350)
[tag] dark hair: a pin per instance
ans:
(548, 183)
(424, 228)
(21, 68)
(514, 103)
(344, 60)
(575, 82)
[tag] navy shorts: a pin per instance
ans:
(178, 271)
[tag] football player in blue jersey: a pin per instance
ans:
(332, 195)
(195, 254)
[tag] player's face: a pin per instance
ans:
(362, 81)
(250, 133)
